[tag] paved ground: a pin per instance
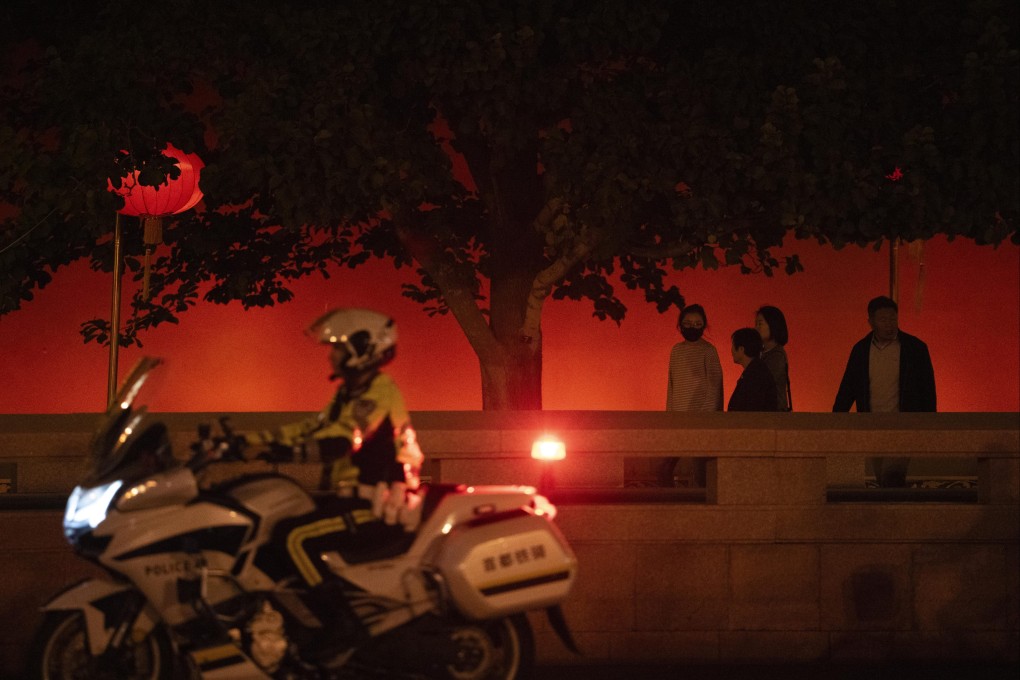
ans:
(921, 671)
(901, 671)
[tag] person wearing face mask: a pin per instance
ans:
(694, 384)
(888, 371)
(695, 373)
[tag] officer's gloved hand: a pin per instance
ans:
(412, 475)
(236, 445)
(394, 503)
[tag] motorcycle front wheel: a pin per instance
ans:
(494, 650)
(60, 652)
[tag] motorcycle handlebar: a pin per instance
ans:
(209, 448)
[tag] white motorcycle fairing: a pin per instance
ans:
(490, 550)
(95, 598)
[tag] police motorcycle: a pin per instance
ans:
(190, 595)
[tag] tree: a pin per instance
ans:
(508, 151)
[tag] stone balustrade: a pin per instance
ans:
(768, 562)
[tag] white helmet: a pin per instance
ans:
(370, 338)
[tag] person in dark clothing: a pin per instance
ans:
(889, 371)
(756, 389)
(913, 386)
(771, 325)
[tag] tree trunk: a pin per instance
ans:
(514, 385)
(513, 382)
(512, 190)
(509, 358)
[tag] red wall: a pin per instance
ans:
(964, 302)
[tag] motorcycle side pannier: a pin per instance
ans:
(505, 563)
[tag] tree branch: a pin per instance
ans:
(457, 295)
(531, 329)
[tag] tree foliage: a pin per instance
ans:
(509, 152)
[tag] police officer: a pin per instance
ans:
(370, 458)
(363, 436)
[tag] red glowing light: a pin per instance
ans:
(548, 447)
(896, 175)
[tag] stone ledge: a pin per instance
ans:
(991, 434)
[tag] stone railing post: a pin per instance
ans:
(736, 480)
(999, 481)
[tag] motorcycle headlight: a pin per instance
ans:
(86, 508)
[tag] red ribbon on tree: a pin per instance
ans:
(152, 203)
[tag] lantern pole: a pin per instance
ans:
(894, 261)
(111, 383)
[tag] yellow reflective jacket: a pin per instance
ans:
(374, 420)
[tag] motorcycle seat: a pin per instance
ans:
(376, 541)
(379, 541)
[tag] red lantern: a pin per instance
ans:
(152, 204)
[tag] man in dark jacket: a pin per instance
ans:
(756, 389)
(888, 371)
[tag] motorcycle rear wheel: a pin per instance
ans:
(60, 652)
(494, 650)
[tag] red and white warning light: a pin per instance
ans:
(548, 447)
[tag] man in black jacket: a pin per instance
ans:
(756, 389)
(888, 371)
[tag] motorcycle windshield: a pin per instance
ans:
(116, 443)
